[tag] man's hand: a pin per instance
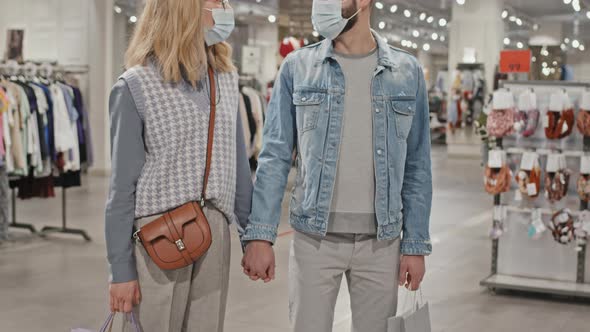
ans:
(259, 261)
(411, 272)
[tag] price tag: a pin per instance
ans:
(517, 195)
(556, 103)
(524, 101)
(503, 99)
(585, 167)
(529, 161)
(546, 121)
(531, 189)
(553, 163)
(496, 159)
(562, 162)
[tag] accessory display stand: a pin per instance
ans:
(540, 265)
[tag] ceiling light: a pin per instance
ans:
(393, 9)
(118, 10)
(504, 14)
(415, 46)
(258, 1)
(575, 43)
(407, 13)
(506, 41)
(272, 18)
(534, 59)
(519, 45)
(133, 19)
(518, 21)
(379, 5)
(404, 43)
(434, 36)
(315, 34)
(430, 19)
(567, 40)
(535, 27)
(544, 64)
(416, 33)
(512, 18)
(555, 63)
(442, 22)
(422, 16)
(546, 71)
(582, 48)
(426, 47)
(382, 25)
(567, 2)
(588, 14)
(442, 38)
(460, 2)
(563, 47)
(576, 5)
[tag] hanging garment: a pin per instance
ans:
(559, 124)
(497, 181)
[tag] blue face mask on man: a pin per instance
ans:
(223, 27)
(326, 16)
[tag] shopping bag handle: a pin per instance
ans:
(417, 301)
(108, 325)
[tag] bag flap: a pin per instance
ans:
(183, 215)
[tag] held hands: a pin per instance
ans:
(259, 261)
(411, 273)
(124, 296)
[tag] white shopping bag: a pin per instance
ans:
(417, 319)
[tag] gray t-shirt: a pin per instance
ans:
(353, 204)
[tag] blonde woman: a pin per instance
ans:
(159, 118)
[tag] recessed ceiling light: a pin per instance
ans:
(434, 36)
(582, 48)
(575, 43)
(118, 10)
(426, 47)
(430, 19)
(567, 2)
(379, 5)
(407, 13)
(133, 19)
(272, 18)
(415, 46)
(393, 9)
(512, 18)
(422, 16)
(460, 2)
(519, 21)
(442, 22)
(519, 45)
(506, 41)
(504, 14)
(416, 33)
(382, 25)
(442, 38)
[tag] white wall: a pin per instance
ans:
(55, 30)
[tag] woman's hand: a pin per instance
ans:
(124, 296)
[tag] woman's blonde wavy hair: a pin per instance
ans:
(171, 32)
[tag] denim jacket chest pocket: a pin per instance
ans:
(308, 105)
(402, 111)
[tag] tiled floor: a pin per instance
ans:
(59, 283)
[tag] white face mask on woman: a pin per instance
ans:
(326, 16)
(223, 27)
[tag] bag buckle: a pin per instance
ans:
(136, 236)
(180, 245)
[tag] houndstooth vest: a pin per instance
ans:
(176, 120)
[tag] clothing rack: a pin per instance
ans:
(56, 72)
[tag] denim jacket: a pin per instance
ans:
(305, 115)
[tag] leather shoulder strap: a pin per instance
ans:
(212, 102)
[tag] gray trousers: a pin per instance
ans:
(189, 299)
(316, 269)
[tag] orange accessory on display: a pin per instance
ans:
(560, 124)
(497, 181)
(529, 182)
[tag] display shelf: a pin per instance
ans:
(515, 263)
(564, 288)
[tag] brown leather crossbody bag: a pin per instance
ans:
(180, 237)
